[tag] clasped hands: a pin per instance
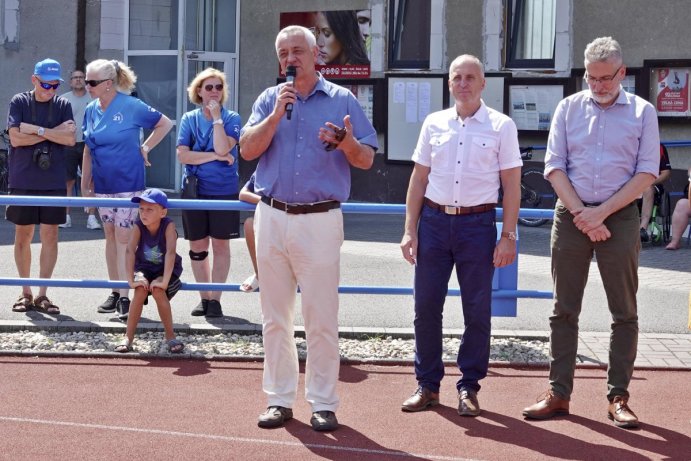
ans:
(589, 221)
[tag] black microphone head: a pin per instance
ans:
(291, 71)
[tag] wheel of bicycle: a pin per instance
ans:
(534, 192)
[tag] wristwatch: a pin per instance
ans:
(218, 121)
(509, 235)
(41, 131)
(145, 148)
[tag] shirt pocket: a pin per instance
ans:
(483, 154)
(440, 147)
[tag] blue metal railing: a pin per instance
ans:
(361, 208)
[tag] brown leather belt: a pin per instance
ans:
(460, 210)
(301, 208)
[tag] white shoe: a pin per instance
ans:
(67, 223)
(92, 222)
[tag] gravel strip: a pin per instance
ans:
(377, 348)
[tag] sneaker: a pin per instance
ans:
(92, 222)
(67, 223)
(109, 305)
(123, 307)
(645, 238)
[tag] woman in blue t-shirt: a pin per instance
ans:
(115, 160)
(207, 146)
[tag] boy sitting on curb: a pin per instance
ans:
(151, 254)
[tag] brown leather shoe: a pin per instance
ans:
(468, 404)
(621, 414)
(421, 399)
(548, 404)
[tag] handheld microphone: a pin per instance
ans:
(290, 78)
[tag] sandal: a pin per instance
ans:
(43, 304)
(250, 284)
(24, 303)
(175, 346)
(124, 347)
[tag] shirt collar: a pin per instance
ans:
(480, 115)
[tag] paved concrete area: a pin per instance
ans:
(371, 257)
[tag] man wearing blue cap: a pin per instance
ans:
(40, 126)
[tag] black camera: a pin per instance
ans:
(42, 157)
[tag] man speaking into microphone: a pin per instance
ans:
(307, 134)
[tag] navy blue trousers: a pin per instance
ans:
(467, 242)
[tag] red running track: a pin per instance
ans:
(115, 409)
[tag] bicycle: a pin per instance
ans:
(4, 168)
(536, 191)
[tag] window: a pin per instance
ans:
(9, 21)
(531, 31)
(409, 34)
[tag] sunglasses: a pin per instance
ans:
(49, 86)
(96, 82)
(219, 87)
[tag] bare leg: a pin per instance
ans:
(647, 206)
(680, 219)
(122, 237)
(111, 251)
(136, 307)
(201, 269)
(70, 190)
(49, 253)
(22, 252)
(221, 265)
(164, 312)
(251, 247)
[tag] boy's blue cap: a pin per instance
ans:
(156, 196)
(48, 70)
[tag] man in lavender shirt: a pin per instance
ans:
(302, 176)
(602, 153)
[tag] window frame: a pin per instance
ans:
(512, 30)
(395, 22)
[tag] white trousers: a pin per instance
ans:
(304, 250)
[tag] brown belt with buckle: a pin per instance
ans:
(301, 208)
(460, 210)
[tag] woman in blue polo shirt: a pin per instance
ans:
(115, 160)
(207, 146)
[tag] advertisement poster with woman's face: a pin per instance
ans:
(342, 40)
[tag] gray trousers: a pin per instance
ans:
(617, 260)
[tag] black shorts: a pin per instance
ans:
(73, 160)
(173, 286)
(23, 215)
(218, 224)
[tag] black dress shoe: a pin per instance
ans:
(421, 399)
(274, 417)
(214, 309)
(323, 421)
(200, 309)
(468, 404)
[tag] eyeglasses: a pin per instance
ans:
(49, 86)
(606, 79)
(218, 86)
(96, 82)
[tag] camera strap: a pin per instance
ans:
(32, 107)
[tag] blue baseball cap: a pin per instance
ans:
(48, 70)
(156, 196)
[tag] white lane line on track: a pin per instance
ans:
(233, 439)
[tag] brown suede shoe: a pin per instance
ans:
(468, 404)
(420, 400)
(621, 414)
(548, 404)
